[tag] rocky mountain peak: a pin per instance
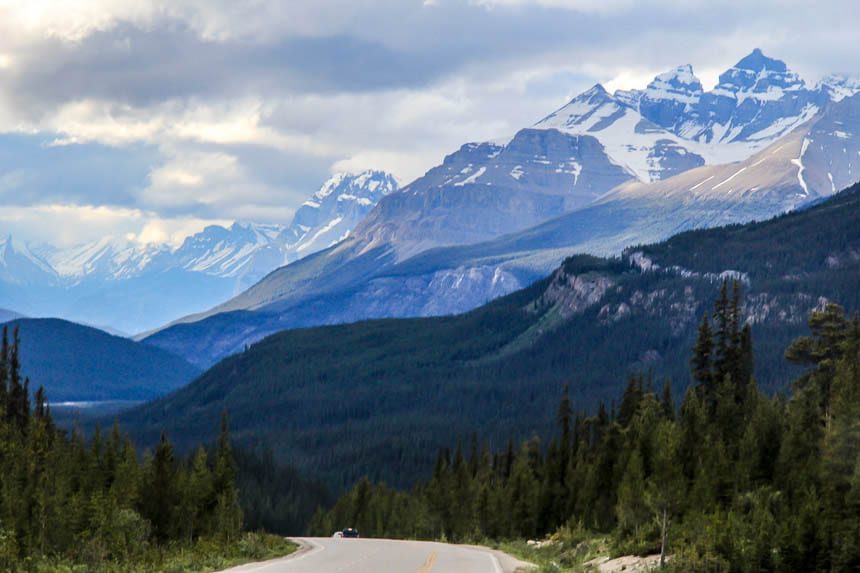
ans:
(759, 74)
(678, 81)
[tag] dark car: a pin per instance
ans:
(350, 532)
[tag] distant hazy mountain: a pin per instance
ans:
(131, 287)
(79, 363)
(603, 172)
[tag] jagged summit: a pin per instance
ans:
(757, 74)
(757, 61)
(680, 80)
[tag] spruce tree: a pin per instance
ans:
(159, 505)
(702, 360)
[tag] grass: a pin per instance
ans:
(203, 557)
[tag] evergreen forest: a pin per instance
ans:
(98, 505)
(727, 479)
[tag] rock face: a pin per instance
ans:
(486, 190)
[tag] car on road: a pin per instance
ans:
(337, 534)
(349, 532)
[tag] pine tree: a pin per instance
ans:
(197, 496)
(228, 513)
(161, 484)
(830, 330)
(666, 485)
(667, 402)
(630, 400)
(523, 495)
(702, 360)
(630, 508)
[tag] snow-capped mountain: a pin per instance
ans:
(245, 252)
(674, 125)
(330, 215)
(104, 259)
(116, 282)
(20, 266)
(647, 151)
(839, 86)
(757, 101)
(603, 172)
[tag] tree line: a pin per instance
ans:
(732, 480)
(64, 498)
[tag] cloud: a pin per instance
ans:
(64, 225)
(238, 109)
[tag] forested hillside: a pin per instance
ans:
(733, 480)
(376, 397)
(76, 362)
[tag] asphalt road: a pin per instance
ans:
(332, 555)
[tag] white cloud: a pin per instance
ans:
(598, 6)
(70, 225)
(504, 65)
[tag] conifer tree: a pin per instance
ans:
(161, 478)
(667, 402)
(630, 508)
(702, 360)
(228, 513)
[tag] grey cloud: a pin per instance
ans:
(88, 174)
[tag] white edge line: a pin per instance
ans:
(316, 548)
(497, 567)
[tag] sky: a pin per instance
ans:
(150, 119)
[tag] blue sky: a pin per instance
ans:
(151, 119)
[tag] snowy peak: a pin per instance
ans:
(583, 111)
(839, 86)
(105, 258)
(678, 84)
(365, 186)
(330, 215)
(21, 266)
(645, 148)
(244, 251)
(759, 76)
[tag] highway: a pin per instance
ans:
(333, 555)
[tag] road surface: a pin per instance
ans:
(333, 555)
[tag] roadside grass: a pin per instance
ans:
(205, 556)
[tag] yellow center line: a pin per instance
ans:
(429, 564)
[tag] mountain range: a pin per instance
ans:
(368, 398)
(601, 173)
(130, 287)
